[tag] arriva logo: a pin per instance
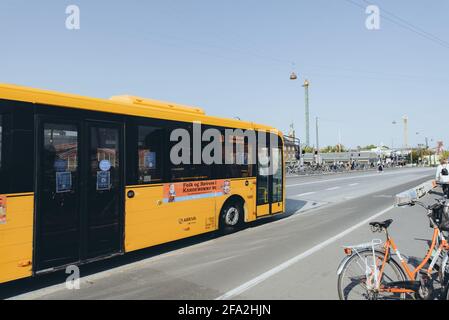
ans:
(187, 220)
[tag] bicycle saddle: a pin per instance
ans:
(383, 225)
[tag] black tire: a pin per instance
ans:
(446, 292)
(343, 294)
(443, 272)
(231, 217)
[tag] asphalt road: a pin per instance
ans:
(294, 256)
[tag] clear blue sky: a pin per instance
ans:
(234, 58)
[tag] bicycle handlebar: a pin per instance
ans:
(421, 204)
(404, 204)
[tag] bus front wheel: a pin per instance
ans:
(231, 217)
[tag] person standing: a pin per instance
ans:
(442, 176)
(380, 167)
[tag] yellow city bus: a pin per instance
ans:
(84, 179)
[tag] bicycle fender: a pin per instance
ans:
(343, 264)
(345, 260)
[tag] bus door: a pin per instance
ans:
(105, 190)
(79, 188)
(270, 177)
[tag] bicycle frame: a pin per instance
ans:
(411, 274)
(416, 281)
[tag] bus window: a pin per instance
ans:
(60, 157)
(5, 172)
(263, 174)
(241, 157)
(276, 168)
(188, 171)
(277, 174)
(1, 144)
(150, 150)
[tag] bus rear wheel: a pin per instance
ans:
(231, 217)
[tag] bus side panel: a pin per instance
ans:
(16, 239)
(149, 221)
(277, 207)
(245, 188)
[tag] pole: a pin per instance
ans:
(317, 141)
(405, 132)
(395, 160)
(339, 140)
(307, 113)
(405, 118)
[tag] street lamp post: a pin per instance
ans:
(306, 84)
(433, 153)
(306, 95)
(419, 149)
(392, 137)
(317, 142)
(394, 123)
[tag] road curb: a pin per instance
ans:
(415, 193)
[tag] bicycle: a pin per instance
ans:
(293, 168)
(380, 276)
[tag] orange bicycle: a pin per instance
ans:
(369, 272)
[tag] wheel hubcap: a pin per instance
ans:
(232, 216)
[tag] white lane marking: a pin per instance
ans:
(332, 189)
(386, 196)
(354, 184)
(264, 276)
(355, 177)
(303, 194)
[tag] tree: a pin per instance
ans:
(444, 155)
(326, 149)
(369, 147)
(337, 148)
(420, 153)
(416, 155)
(307, 149)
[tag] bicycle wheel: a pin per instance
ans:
(445, 294)
(353, 283)
(443, 269)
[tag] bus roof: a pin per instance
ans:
(126, 105)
